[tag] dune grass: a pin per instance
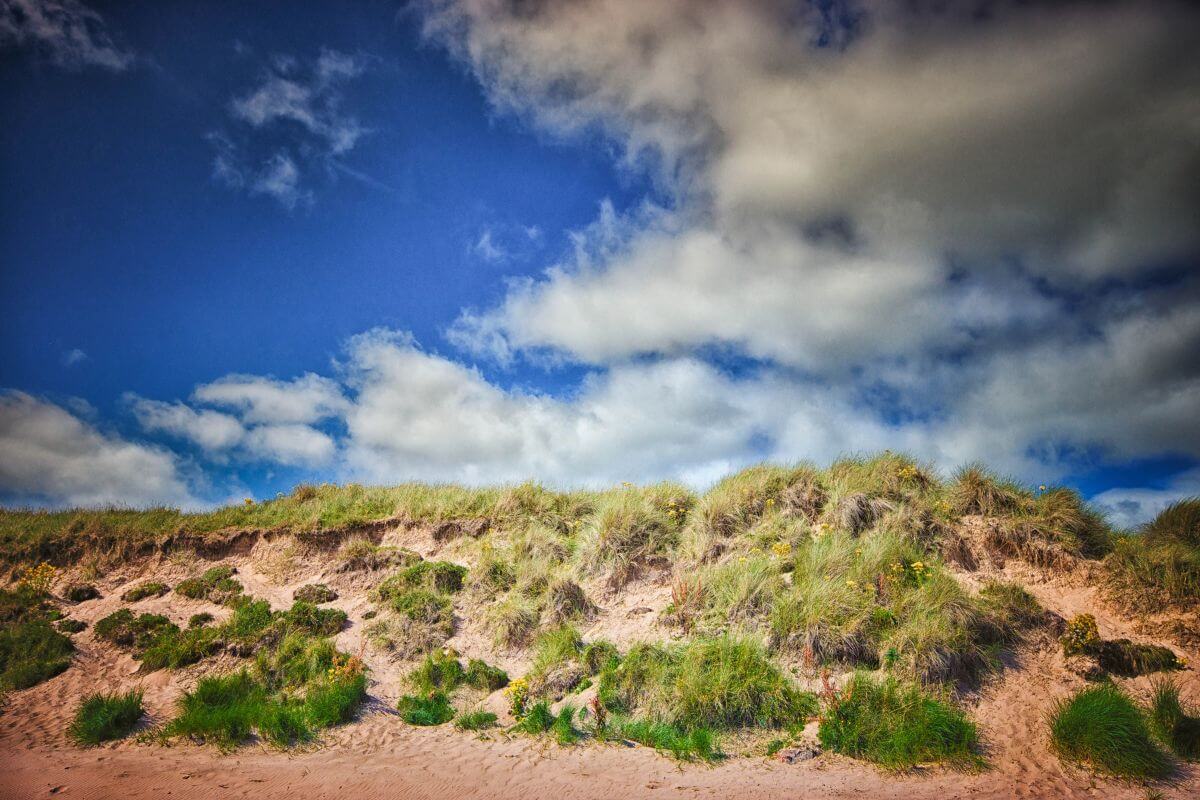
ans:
(144, 590)
(426, 710)
(475, 720)
(695, 744)
(896, 725)
(104, 717)
(1159, 565)
(1177, 726)
(1102, 727)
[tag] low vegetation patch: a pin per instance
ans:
(1120, 656)
(144, 590)
(695, 744)
(215, 585)
(71, 625)
(426, 710)
(1103, 728)
(896, 725)
(475, 720)
(103, 717)
(80, 592)
(31, 650)
(314, 593)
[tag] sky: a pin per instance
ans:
(250, 245)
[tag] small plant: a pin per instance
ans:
(203, 618)
(683, 744)
(482, 675)
(475, 720)
(317, 621)
(1082, 635)
(434, 709)
(144, 590)
(1102, 726)
(215, 585)
(71, 625)
(563, 726)
(103, 717)
(518, 696)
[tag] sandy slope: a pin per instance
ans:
(380, 756)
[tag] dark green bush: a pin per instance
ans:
(1102, 726)
(896, 725)
(482, 675)
(434, 576)
(80, 592)
(71, 625)
(102, 717)
(314, 593)
(31, 652)
(538, 719)
(314, 619)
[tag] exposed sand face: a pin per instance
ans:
(380, 756)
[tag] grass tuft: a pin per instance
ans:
(429, 710)
(104, 717)
(1177, 726)
(1101, 726)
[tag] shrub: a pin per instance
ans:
(1102, 726)
(439, 672)
(512, 621)
(144, 590)
(173, 648)
(563, 726)
(895, 725)
(567, 601)
(314, 593)
(102, 717)
(123, 629)
(222, 710)
(1121, 656)
(79, 592)
(421, 605)
(1176, 726)
(434, 709)
(71, 625)
(1082, 635)
(598, 656)
(335, 699)
(203, 618)
(249, 621)
(475, 720)
(216, 585)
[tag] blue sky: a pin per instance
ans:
(244, 246)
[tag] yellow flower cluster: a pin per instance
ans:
(518, 695)
(40, 578)
(821, 529)
(249, 501)
(907, 473)
(782, 549)
(675, 510)
(346, 667)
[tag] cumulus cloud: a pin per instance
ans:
(295, 114)
(307, 399)
(50, 456)
(72, 35)
(210, 430)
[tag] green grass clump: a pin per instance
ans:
(685, 745)
(895, 725)
(1159, 566)
(144, 590)
(249, 622)
(203, 618)
(430, 608)
(475, 720)
(124, 629)
(1102, 726)
(512, 620)
(721, 682)
(426, 710)
(632, 528)
(439, 672)
(975, 490)
(1177, 726)
(314, 619)
(103, 717)
(434, 576)
(315, 593)
(563, 726)
(538, 719)
(216, 585)
(222, 710)
(481, 675)
(71, 625)
(173, 648)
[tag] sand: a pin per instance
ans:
(380, 756)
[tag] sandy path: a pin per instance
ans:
(380, 756)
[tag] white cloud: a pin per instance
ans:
(487, 249)
(828, 201)
(295, 115)
(50, 456)
(211, 430)
(290, 445)
(307, 399)
(74, 356)
(71, 34)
